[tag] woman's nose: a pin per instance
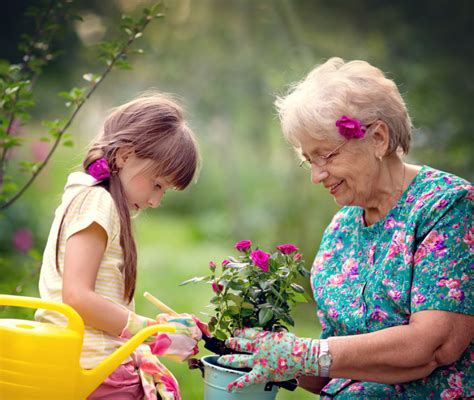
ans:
(318, 174)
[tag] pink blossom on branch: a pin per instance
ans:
(23, 240)
(260, 259)
(243, 245)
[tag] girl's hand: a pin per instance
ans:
(178, 346)
(277, 356)
(182, 344)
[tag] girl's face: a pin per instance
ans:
(142, 190)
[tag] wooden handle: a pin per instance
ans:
(161, 306)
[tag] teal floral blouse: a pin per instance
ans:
(419, 257)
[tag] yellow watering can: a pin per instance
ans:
(41, 361)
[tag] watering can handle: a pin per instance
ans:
(74, 320)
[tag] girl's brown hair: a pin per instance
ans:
(153, 127)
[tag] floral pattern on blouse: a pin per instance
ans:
(419, 257)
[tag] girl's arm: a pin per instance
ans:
(403, 353)
(84, 252)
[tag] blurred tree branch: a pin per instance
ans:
(17, 83)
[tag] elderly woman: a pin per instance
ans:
(393, 275)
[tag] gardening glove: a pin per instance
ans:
(156, 378)
(178, 346)
(277, 356)
(182, 344)
(136, 323)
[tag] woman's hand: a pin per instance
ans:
(277, 356)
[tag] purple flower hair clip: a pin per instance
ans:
(99, 169)
(351, 128)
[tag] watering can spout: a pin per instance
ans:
(92, 378)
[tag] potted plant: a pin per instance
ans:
(256, 289)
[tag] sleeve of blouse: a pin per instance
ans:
(92, 205)
(444, 260)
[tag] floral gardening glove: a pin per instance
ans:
(182, 344)
(178, 346)
(135, 324)
(156, 378)
(277, 356)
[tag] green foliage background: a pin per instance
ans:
(227, 60)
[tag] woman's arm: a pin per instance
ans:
(84, 252)
(312, 384)
(403, 353)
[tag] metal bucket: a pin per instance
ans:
(217, 377)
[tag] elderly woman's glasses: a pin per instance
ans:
(320, 160)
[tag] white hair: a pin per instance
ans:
(333, 89)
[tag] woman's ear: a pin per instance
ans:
(122, 155)
(380, 139)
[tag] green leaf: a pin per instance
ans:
(247, 313)
(233, 297)
(193, 280)
(297, 288)
(299, 297)
(220, 334)
(266, 284)
(248, 306)
(264, 315)
(288, 319)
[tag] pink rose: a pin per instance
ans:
(260, 259)
(99, 169)
(243, 245)
(350, 128)
(212, 265)
(217, 287)
(287, 248)
(225, 262)
(297, 257)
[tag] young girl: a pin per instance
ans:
(90, 258)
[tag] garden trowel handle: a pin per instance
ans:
(290, 385)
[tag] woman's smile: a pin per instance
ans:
(334, 188)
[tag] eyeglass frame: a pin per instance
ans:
(320, 161)
(323, 160)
